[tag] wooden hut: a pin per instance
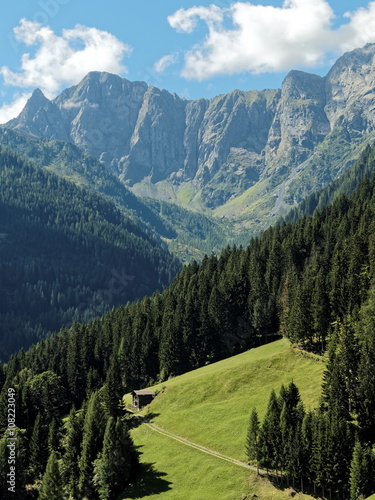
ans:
(142, 398)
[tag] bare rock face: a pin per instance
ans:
(238, 119)
(156, 145)
(300, 122)
(40, 117)
(350, 91)
(222, 146)
(101, 113)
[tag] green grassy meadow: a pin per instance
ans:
(211, 406)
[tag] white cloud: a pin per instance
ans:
(360, 29)
(164, 62)
(9, 111)
(266, 38)
(186, 20)
(62, 60)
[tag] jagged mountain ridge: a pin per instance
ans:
(266, 149)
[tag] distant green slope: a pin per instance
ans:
(211, 406)
(189, 235)
(346, 184)
(69, 162)
(196, 233)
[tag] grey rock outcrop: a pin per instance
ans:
(300, 122)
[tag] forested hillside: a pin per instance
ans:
(66, 254)
(312, 281)
(187, 234)
(345, 184)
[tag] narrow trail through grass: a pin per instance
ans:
(197, 446)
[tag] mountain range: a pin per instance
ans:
(247, 155)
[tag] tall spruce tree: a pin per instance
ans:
(252, 439)
(38, 450)
(115, 464)
(360, 473)
(52, 486)
(113, 390)
(270, 435)
(365, 390)
(71, 444)
(53, 436)
(93, 431)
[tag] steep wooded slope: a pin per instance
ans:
(66, 254)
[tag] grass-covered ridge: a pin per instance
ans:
(211, 406)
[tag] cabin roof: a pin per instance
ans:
(144, 392)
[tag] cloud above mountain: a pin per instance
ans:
(60, 60)
(245, 37)
(164, 62)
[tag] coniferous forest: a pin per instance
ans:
(311, 281)
(66, 254)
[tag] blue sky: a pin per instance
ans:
(194, 48)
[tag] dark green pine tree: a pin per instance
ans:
(340, 384)
(270, 435)
(360, 473)
(290, 425)
(93, 431)
(366, 374)
(320, 308)
(291, 434)
(71, 444)
(52, 486)
(366, 391)
(307, 446)
(149, 346)
(38, 451)
(93, 381)
(53, 436)
(74, 367)
(339, 446)
(287, 433)
(318, 457)
(292, 398)
(252, 438)
(299, 316)
(171, 346)
(285, 302)
(115, 463)
(113, 390)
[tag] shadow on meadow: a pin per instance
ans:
(149, 482)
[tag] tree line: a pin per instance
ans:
(333, 447)
(88, 454)
(317, 452)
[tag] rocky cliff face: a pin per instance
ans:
(350, 91)
(299, 123)
(222, 146)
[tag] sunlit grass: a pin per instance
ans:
(211, 406)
